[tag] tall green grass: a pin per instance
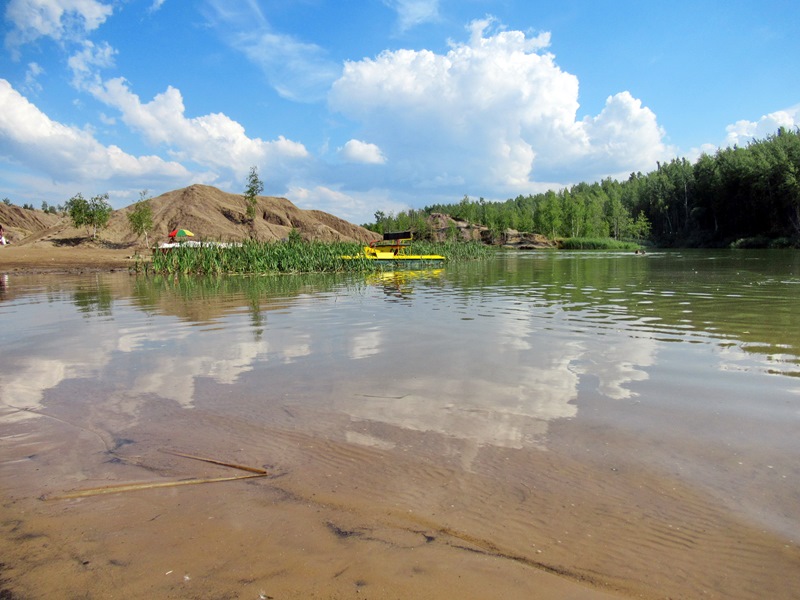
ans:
(596, 244)
(289, 257)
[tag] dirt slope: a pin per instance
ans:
(20, 223)
(208, 212)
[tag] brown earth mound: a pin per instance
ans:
(20, 223)
(208, 212)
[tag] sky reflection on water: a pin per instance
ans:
(486, 352)
(693, 358)
(681, 365)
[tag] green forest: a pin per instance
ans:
(740, 196)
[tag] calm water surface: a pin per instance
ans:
(691, 358)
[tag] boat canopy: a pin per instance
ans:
(396, 235)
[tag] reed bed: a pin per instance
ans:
(597, 244)
(253, 257)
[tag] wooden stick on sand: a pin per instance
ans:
(131, 487)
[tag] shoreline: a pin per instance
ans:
(26, 259)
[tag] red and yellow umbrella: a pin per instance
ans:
(176, 233)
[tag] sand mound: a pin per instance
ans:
(208, 212)
(20, 223)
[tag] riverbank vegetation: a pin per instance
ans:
(741, 196)
(597, 244)
(292, 256)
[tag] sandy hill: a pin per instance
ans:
(20, 223)
(208, 212)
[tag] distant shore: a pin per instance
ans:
(54, 259)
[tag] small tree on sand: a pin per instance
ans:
(92, 214)
(254, 187)
(141, 216)
(77, 209)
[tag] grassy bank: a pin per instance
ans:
(596, 244)
(290, 257)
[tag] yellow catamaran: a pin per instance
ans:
(395, 250)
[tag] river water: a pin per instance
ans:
(628, 423)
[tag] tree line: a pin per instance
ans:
(53, 209)
(738, 196)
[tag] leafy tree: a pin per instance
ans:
(526, 213)
(550, 216)
(140, 217)
(7, 201)
(707, 178)
(574, 214)
(92, 214)
(640, 228)
(595, 217)
(254, 187)
(617, 216)
(99, 213)
(421, 228)
(465, 209)
(78, 210)
(380, 219)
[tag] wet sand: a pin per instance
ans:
(304, 532)
(338, 520)
(42, 258)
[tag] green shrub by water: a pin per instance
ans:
(597, 244)
(291, 257)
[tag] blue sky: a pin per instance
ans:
(355, 106)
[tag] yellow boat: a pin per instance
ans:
(395, 250)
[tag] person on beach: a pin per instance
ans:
(3, 241)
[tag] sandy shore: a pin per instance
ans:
(52, 259)
(297, 533)
(336, 520)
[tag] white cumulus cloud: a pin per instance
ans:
(86, 62)
(624, 137)
(213, 141)
(354, 206)
(362, 152)
(743, 132)
(496, 113)
(30, 138)
(56, 19)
